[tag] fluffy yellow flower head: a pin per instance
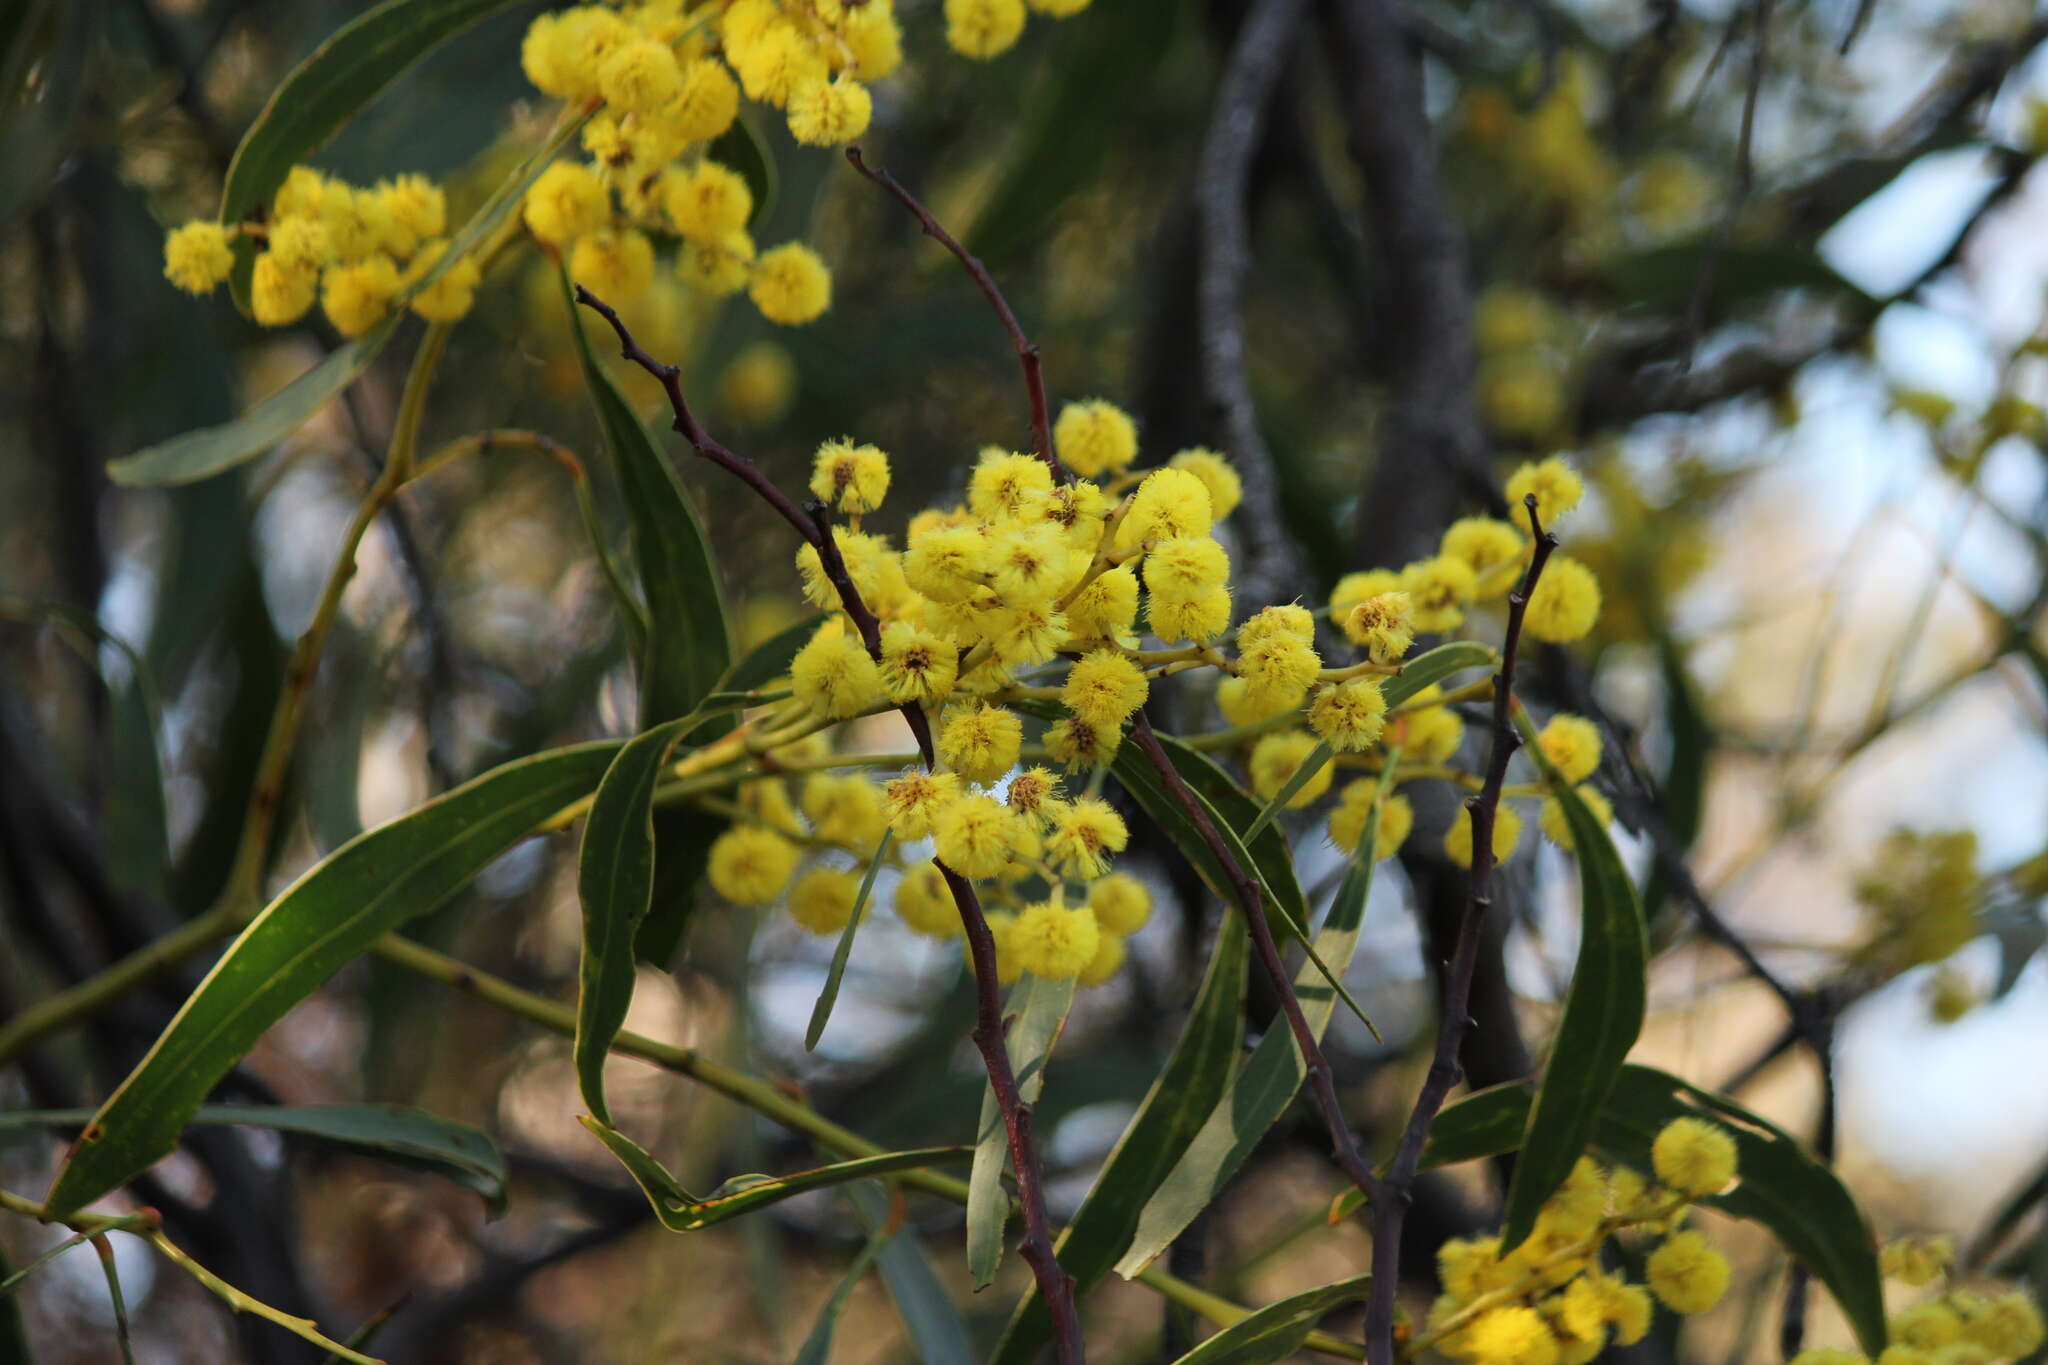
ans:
(280, 291)
(850, 478)
(1694, 1157)
(1085, 833)
(1274, 761)
(300, 243)
(1186, 567)
(1917, 1261)
(1076, 744)
(1508, 318)
(1565, 604)
(1004, 482)
(917, 666)
(416, 210)
(197, 256)
(1107, 962)
(1926, 1326)
(1191, 618)
(983, 28)
(975, 835)
(1094, 437)
(833, 674)
(356, 297)
(829, 113)
(1438, 590)
(750, 864)
(564, 203)
(1103, 688)
(453, 293)
(1354, 806)
(1383, 624)
(707, 202)
(790, 284)
(613, 264)
(822, 900)
(1558, 830)
(925, 902)
(1507, 831)
(1509, 1336)
(1226, 489)
(1349, 716)
(1105, 609)
(1432, 734)
(706, 103)
(874, 42)
(756, 388)
(1121, 903)
(1286, 618)
(1571, 744)
(777, 63)
(2008, 1326)
(1354, 588)
(1054, 942)
(1556, 486)
(1277, 669)
(1170, 502)
(1034, 792)
(913, 800)
(1483, 543)
(640, 77)
(717, 268)
(845, 808)
(1687, 1274)
(981, 742)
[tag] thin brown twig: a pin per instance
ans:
(1027, 350)
(1453, 1022)
(1037, 1249)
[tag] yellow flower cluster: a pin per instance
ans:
(356, 249)
(1921, 892)
(1548, 1302)
(1960, 1327)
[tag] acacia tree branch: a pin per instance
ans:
(1243, 102)
(1037, 1249)
(1027, 350)
(1389, 1209)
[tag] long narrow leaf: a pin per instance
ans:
(1040, 1010)
(1276, 1331)
(363, 890)
(938, 1334)
(821, 1013)
(817, 1347)
(1318, 759)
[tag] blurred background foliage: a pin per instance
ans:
(1782, 301)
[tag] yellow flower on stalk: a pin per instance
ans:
(1085, 832)
(1565, 604)
(925, 902)
(1275, 759)
(790, 284)
(1694, 1157)
(1551, 818)
(708, 202)
(1104, 687)
(850, 478)
(833, 675)
(914, 800)
(1383, 625)
(1437, 591)
(1354, 806)
(983, 28)
(917, 666)
(750, 864)
(197, 256)
(1094, 437)
(1571, 744)
(975, 835)
(1349, 716)
(1687, 1274)
(981, 742)
(1121, 903)
(829, 113)
(822, 900)
(1556, 486)
(1054, 942)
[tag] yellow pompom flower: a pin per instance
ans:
(1509, 1336)
(946, 563)
(829, 113)
(1507, 832)
(915, 799)
(1521, 395)
(917, 666)
(1121, 903)
(845, 809)
(1508, 318)
(1383, 624)
(1829, 1355)
(1085, 832)
(1565, 604)
(833, 674)
(356, 221)
(822, 900)
(707, 202)
(1001, 924)
(280, 292)
(300, 195)
(1274, 761)
(980, 742)
(975, 835)
(1107, 962)
(1094, 437)
(1431, 735)
(417, 212)
(1226, 489)
(1028, 565)
(1234, 700)
(1354, 806)
(717, 268)
(1687, 1274)
(453, 292)
(1484, 544)
(1917, 1261)
(850, 478)
(1926, 1326)
(1034, 792)
(1170, 502)
(1629, 1310)
(874, 40)
(1075, 744)
(751, 864)
(566, 202)
(613, 264)
(869, 561)
(707, 100)
(1193, 618)
(745, 21)
(197, 256)
(1694, 1157)
(1350, 715)
(1105, 609)
(1438, 590)
(640, 77)
(1059, 9)
(790, 284)
(1556, 829)
(1186, 566)
(1286, 618)
(777, 63)
(356, 297)
(2008, 1326)
(300, 244)
(1557, 488)
(1354, 588)
(1053, 942)
(983, 28)
(925, 902)
(1005, 482)
(1103, 688)
(1571, 744)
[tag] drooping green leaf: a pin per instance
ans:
(1265, 1085)
(1603, 1014)
(1276, 1331)
(1425, 670)
(615, 883)
(363, 890)
(681, 1211)
(688, 645)
(1187, 1088)
(1099, 72)
(740, 148)
(1779, 1184)
(321, 94)
(821, 1013)
(682, 851)
(1038, 1009)
(817, 1347)
(395, 1133)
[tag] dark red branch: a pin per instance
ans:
(812, 524)
(1027, 351)
(1454, 1020)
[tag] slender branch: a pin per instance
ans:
(115, 982)
(1321, 1079)
(1745, 181)
(1037, 1249)
(1243, 99)
(1453, 1022)
(1027, 350)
